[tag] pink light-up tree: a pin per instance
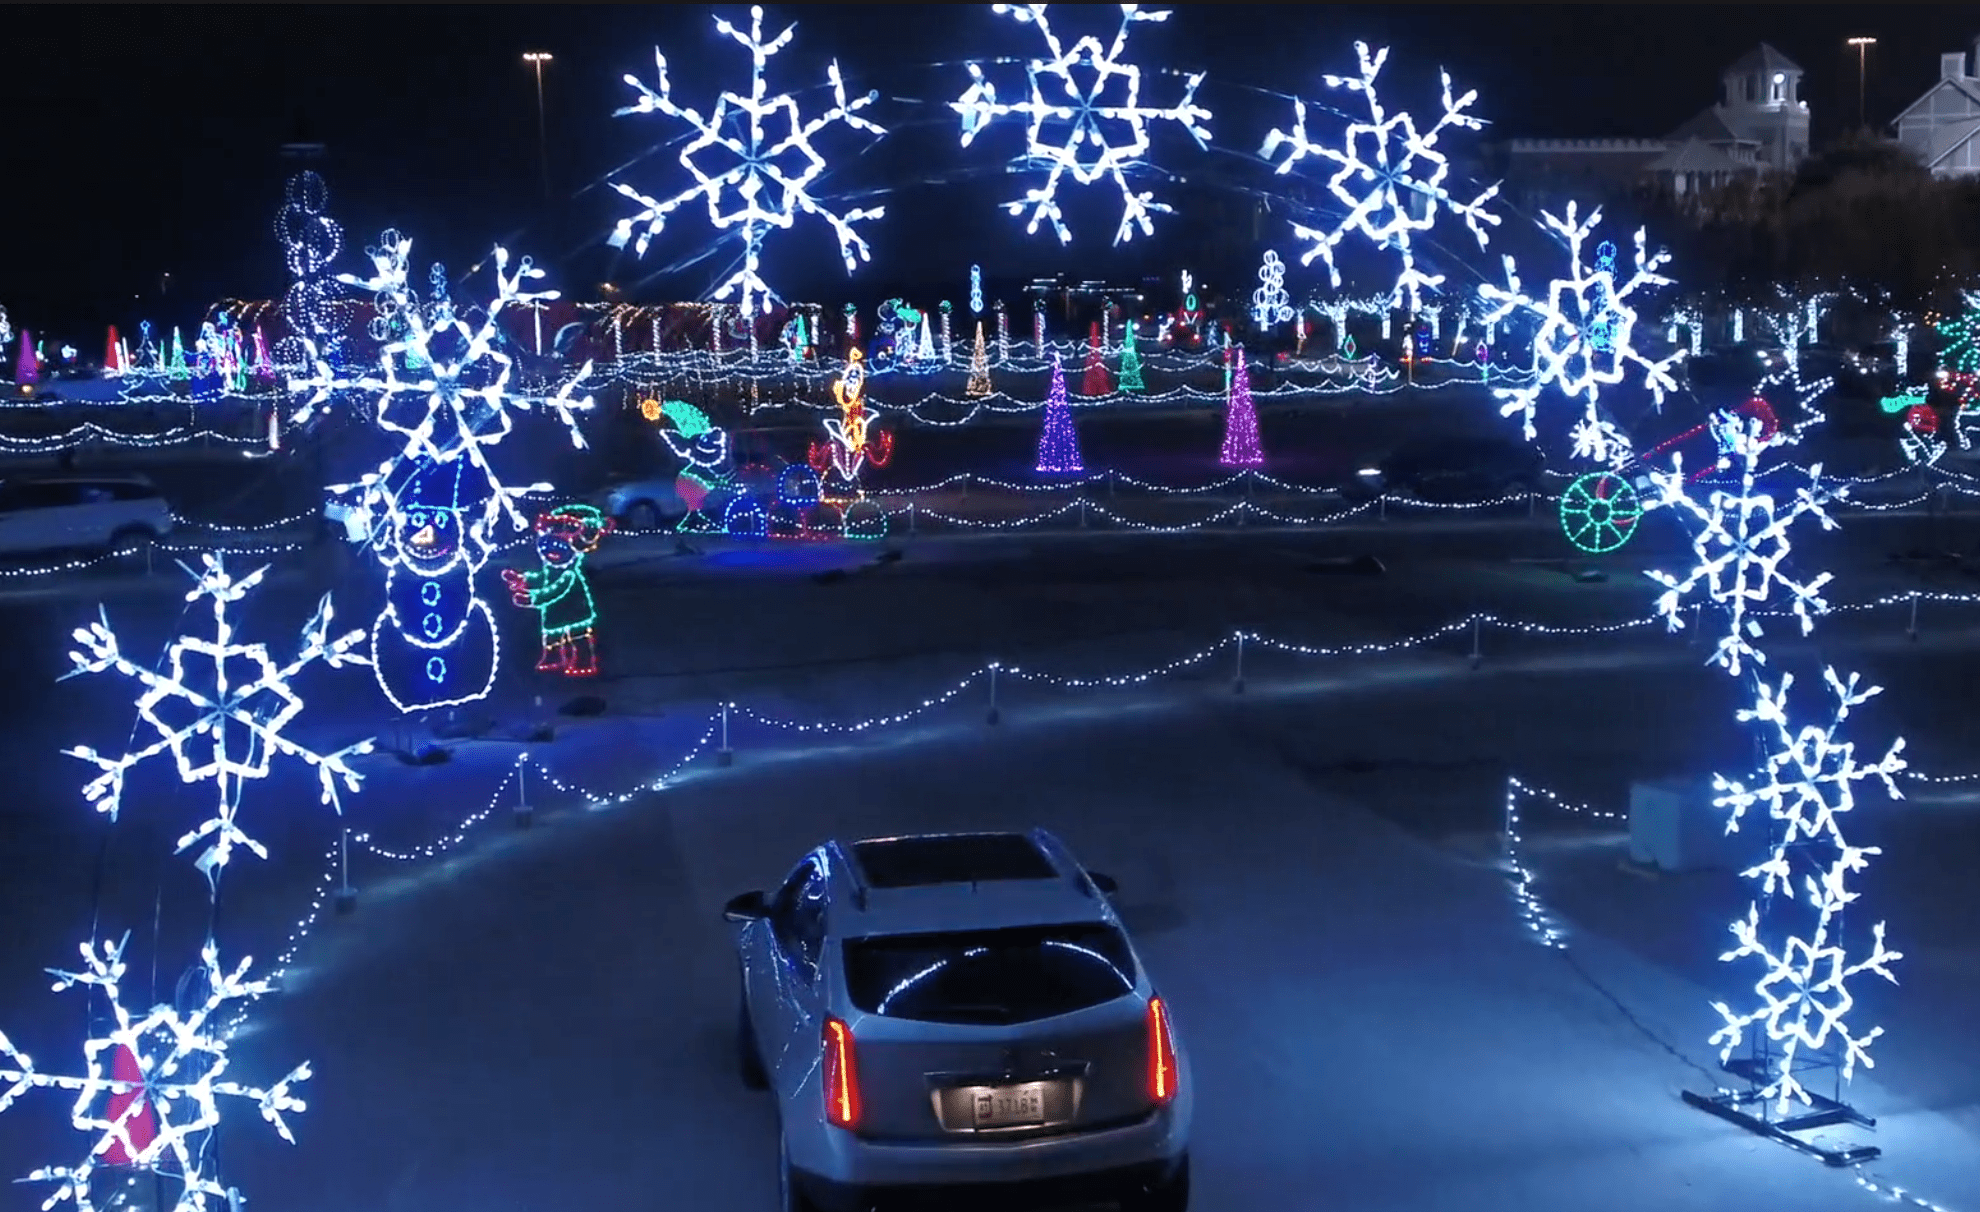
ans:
(1058, 444)
(1240, 421)
(27, 369)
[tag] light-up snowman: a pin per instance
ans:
(434, 645)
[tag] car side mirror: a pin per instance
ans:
(1107, 884)
(746, 907)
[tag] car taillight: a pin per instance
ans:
(1163, 1075)
(841, 1076)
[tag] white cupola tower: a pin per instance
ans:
(1763, 104)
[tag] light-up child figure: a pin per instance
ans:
(559, 592)
(434, 645)
(854, 442)
(704, 449)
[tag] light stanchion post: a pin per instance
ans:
(525, 815)
(1911, 628)
(346, 900)
(1237, 682)
(994, 715)
(1477, 629)
(725, 756)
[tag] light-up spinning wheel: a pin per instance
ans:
(1599, 512)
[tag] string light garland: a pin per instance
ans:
(211, 711)
(159, 1078)
(1406, 172)
(769, 176)
(559, 592)
(1586, 340)
(1068, 92)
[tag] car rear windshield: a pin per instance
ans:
(992, 977)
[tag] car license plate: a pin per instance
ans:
(1010, 1106)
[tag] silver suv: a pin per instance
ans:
(954, 1014)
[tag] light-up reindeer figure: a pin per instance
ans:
(855, 441)
(704, 449)
(559, 592)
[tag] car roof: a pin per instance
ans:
(938, 883)
(136, 481)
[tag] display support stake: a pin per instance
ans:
(346, 895)
(725, 756)
(1477, 654)
(994, 715)
(1237, 682)
(524, 813)
(1911, 630)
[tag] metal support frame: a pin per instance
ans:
(1731, 1106)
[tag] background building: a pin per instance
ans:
(1942, 128)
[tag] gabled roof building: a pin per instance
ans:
(1942, 128)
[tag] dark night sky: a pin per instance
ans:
(151, 133)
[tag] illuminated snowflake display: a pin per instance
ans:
(444, 388)
(152, 1085)
(219, 726)
(1600, 441)
(767, 172)
(1741, 545)
(1587, 333)
(1090, 138)
(1803, 998)
(1389, 175)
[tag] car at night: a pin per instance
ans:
(1453, 469)
(948, 1016)
(80, 513)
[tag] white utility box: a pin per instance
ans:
(1674, 827)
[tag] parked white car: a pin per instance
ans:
(89, 513)
(954, 1015)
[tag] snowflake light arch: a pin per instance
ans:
(771, 176)
(1379, 186)
(1586, 340)
(1741, 546)
(1802, 999)
(160, 1078)
(226, 730)
(1065, 91)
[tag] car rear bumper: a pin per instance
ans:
(1102, 1162)
(1091, 1186)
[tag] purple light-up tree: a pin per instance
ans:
(1058, 444)
(1240, 421)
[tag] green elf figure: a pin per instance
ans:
(559, 592)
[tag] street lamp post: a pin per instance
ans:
(537, 59)
(1862, 46)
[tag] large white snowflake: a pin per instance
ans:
(443, 387)
(152, 1084)
(1586, 340)
(1389, 175)
(1741, 544)
(1803, 998)
(770, 168)
(1099, 140)
(218, 725)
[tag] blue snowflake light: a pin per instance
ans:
(767, 173)
(1802, 1001)
(1390, 177)
(1587, 337)
(1091, 137)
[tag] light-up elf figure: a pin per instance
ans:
(435, 645)
(559, 592)
(704, 450)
